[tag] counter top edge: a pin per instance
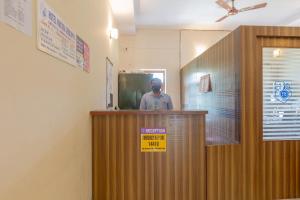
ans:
(127, 112)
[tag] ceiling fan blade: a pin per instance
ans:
(222, 18)
(262, 5)
(224, 5)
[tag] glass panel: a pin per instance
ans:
(281, 94)
(222, 102)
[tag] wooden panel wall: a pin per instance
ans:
(122, 172)
(224, 172)
(265, 170)
(283, 158)
(222, 63)
(253, 169)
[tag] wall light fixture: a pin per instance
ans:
(114, 33)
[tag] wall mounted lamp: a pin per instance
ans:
(277, 53)
(114, 33)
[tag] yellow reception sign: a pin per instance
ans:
(153, 140)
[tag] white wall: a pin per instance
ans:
(153, 49)
(45, 126)
(166, 49)
(194, 42)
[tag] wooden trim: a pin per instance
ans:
(127, 112)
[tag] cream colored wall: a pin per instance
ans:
(45, 127)
(195, 42)
(153, 49)
(166, 49)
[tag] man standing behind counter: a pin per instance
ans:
(156, 100)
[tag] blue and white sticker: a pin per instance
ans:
(282, 91)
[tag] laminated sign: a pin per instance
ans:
(153, 140)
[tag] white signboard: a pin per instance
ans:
(18, 14)
(54, 36)
(109, 83)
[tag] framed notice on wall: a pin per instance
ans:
(109, 83)
(205, 84)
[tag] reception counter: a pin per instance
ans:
(141, 155)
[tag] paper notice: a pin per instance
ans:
(55, 37)
(18, 14)
(205, 84)
(86, 56)
(109, 82)
(79, 52)
(1, 10)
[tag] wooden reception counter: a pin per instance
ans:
(122, 170)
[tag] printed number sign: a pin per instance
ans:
(153, 140)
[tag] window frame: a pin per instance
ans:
(163, 71)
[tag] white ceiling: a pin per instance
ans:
(202, 14)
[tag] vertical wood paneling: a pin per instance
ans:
(122, 172)
(222, 63)
(280, 156)
(262, 170)
(224, 172)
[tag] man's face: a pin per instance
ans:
(156, 85)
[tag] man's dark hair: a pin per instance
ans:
(156, 79)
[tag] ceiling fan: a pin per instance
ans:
(232, 10)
